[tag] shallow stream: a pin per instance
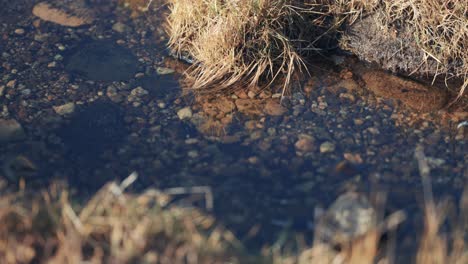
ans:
(98, 102)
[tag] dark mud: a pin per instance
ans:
(270, 167)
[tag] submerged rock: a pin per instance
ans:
(103, 61)
(10, 130)
(65, 13)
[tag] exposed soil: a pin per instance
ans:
(417, 96)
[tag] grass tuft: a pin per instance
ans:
(239, 43)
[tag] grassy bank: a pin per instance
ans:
(251, 42)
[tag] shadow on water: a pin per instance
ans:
(102, 60)
(93, 130)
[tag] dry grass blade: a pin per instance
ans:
(436, 248)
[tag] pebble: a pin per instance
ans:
(2, 90)
(61, 47)
(164, 71)
(65, 109)
(373, 130)
(193, 154)
(113, 95)
(191, 141)
(358, 121)
(11, 84)
(139, 91)
(348, 96)
(254, 160)
(305, 143)
(119, 27)
(19, 31)
(256, 135)
(184, 113)
(10, 130)
(327, 147)
(26, 92)
(41, 37)
(273, 108)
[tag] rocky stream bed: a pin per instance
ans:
(93, 103)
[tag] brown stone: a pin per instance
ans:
(274, 108)
(48, 13)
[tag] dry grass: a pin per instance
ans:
(440, 29)
(436, 247)
(243, 43)
(257, 42)
(113, 227)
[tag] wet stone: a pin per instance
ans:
(101, 60)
